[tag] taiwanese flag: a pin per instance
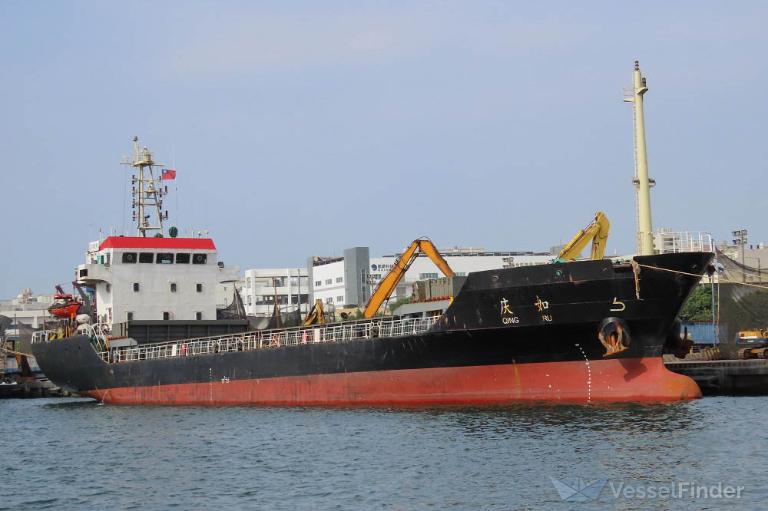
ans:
(168, 174)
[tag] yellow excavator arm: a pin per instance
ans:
(390, 280)
(316, 316)
(596, 231)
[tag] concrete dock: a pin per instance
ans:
(726, 377)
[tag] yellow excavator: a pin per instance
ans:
(390, 280)
(316, 316)
(596, 231)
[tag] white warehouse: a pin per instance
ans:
(263, 287)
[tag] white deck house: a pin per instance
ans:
(143, 278)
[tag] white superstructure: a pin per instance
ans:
(137, 278)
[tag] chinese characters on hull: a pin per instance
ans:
(507, 316)
(541, 306)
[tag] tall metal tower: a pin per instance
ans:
(642, 182)
(147, 192)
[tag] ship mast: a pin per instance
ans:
(642, 182)
(147, 192)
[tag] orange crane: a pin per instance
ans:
(390, 280)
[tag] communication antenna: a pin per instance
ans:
(641, 181)
(147, 192)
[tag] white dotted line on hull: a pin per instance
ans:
(589, 373)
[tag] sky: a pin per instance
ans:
(303, 128)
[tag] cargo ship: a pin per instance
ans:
(570, 331)
(540, 333)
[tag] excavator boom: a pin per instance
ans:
(316, 316)
(596, 231)
(395, 275)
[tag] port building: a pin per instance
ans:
(347, 280)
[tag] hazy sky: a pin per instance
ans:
(301, 128)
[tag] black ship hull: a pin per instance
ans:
(516, 334)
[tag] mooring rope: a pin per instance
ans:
(6, 350)
(697, 275)
(724, 281)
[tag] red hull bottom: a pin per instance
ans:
(622, 380)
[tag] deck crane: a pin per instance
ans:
(391, 279)
(596, 231)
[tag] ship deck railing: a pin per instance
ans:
(263, 339)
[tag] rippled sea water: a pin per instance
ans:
(76, 454)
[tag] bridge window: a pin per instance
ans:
(129, 257)
(318, 283)
(173, 287)
(200, 259)
(339, 279)
(164, 258)
(182, 258)
(199, 288)
(329, 281)
(146, 257)
(135, 287)
(425, 276)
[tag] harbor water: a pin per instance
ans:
(76, 454)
